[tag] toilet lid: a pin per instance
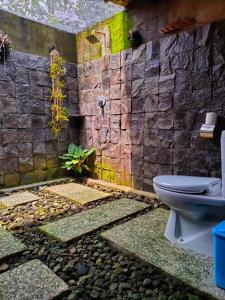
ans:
(187, 184)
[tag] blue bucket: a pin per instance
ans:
(219, 254)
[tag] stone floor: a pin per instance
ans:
(88, 267)
(144, 237)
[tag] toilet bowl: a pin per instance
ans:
(196, 206)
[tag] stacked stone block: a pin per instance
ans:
(28, 150)
(157, 98)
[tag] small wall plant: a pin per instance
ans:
(77, 158)
(5, 46)
(59, 113)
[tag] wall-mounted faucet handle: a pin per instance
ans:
(101, 101)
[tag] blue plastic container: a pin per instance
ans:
(219, 254)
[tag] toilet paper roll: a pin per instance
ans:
(211, 118)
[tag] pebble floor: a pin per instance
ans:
(90, 266)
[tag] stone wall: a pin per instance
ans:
(157, 98)
(28, 151)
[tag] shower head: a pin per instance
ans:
(92, 39)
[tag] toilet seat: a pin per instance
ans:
(188, 184)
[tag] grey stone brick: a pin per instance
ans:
(165, 138)
(21, 75)
(201, 58)
(24, 121)
(37, 107)
(151, 103)
(9, 136)
(38, 121)
(22, 90)
(152, 85)
(152, 68)
(9, 151)
(24, 135)
(138, 71)
(8, 89)
(166, 83)
(138, 55)
(25, 164)
(39, 147)
(138, 88)
(9, 121)
(7, 72)
(39, 134)
(203, 35)
(25, 149)
(152, 50)
(40, 162)
(138, 105)
(165, 101)
(181, 138)
(165, 120)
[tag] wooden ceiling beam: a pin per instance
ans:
(120, 2)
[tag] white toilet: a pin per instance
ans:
(197, 204)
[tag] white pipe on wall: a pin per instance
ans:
(223, 162)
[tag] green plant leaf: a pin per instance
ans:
(75, 161)
(79, 169)
(68, 163)
(77, 158)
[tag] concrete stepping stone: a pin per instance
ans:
(17, 199)
(9, 245)
(31, 281)
(77, 192)
(71, 228)
(144, 237)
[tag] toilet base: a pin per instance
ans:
(190, 234)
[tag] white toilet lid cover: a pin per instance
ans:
(191, 184)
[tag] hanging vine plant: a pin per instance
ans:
(5, 46)
(59, 113)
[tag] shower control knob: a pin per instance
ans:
(101, 101)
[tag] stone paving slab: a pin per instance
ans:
(144, 237)
(71, 228)
(31, 281)
(9, 245)
(17, 199)
(77, 192)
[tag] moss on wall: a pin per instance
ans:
(106, 172)
(119, 26)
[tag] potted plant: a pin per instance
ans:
(77, 159)
(4, 46)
